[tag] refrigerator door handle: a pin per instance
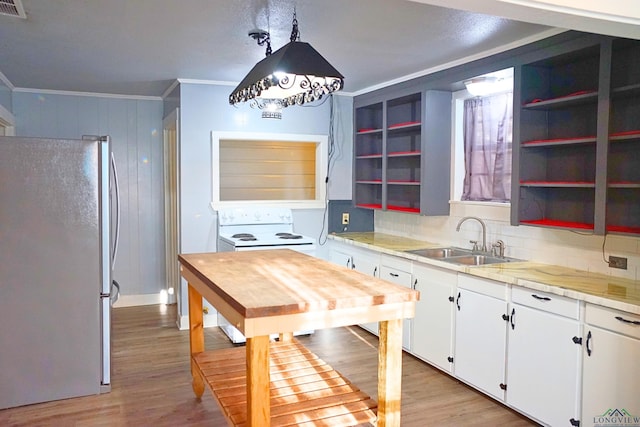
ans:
(116, 187)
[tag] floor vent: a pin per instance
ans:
(12, 8)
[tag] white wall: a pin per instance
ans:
(135, 127)
(205, 108)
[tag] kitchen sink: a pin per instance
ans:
(477, 260)
(459, 256)
(440, 253)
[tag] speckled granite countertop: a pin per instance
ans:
(608, 291)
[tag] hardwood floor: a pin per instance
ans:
(151, 382)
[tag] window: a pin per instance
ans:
(487, 136)
(481, 169)
(273, 169)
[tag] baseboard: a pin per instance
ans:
(210, 320)
(134, 300)
(144, 299)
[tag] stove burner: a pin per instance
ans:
(242, 235)
(289, 236)
(283, 234)
(247, 239)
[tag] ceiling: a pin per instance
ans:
(141, 47)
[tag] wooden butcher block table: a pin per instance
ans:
(282, 383)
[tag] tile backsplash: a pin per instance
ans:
(581, 251)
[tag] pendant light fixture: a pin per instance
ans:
(295, 74)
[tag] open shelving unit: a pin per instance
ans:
(397, 150)
(578, 135)
(368, 156)
(623, 162)
(558, 143)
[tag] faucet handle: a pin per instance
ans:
(475, 245)
(497, 249)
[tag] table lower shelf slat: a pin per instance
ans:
(304, 389)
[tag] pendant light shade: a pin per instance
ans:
(295, 74)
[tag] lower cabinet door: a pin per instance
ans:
(367, 265)
(433, 321)
(402, 278)
(542, 365)
(611, 379)
(480, 341)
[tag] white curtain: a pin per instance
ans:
(488, 125)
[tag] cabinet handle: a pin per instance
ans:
(503, 386)
(375, 271)
(415, 283)
(539, 298)
(458, 301)
(450, 359)
(631, 322)
(588, 341)
(577, 340)
(513, 319)
(574, 422)
(394, 274)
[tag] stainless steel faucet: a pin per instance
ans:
(484, 230)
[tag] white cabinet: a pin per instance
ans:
(480, 334)
(398, 271)
(362, 260)
(340, 255)
(543, 356)
(434, 319)
(611, 368)
(367, 262)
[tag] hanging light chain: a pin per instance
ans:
(295, 34)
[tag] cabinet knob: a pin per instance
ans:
(577, 340)
(503, 386)
(574, 422)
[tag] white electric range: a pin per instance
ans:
(258, 228)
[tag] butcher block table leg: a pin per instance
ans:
(258, 394)
(390, 373)
(196, 337)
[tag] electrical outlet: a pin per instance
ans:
(617, 262)
(345, 218)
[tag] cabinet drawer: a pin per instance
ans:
(396, 276)
(613, 320)
(551, 303)
(483, 286)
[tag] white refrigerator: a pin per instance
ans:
(57, 248)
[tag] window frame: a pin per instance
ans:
(321, 160)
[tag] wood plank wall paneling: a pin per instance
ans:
(267, 170)
(152, 382)
(135, 127)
